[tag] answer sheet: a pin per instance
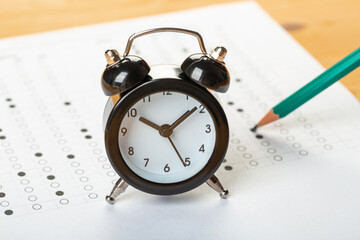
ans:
(298, 180)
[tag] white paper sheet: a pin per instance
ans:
(301, 181)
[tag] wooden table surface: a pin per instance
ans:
(328, 29)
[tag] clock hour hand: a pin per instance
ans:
(182, 118)
(149, 123)
(177, 152)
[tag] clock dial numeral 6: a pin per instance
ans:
(166, 168)
(208, 128)
(132, 112)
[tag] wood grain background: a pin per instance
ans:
(328, 29)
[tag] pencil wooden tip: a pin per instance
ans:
(268, 118)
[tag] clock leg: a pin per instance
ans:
(215, 184)
(120, 187)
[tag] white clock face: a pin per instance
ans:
(167, 137)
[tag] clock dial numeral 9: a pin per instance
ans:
(123, 131)
(208, 128)
(166, 168)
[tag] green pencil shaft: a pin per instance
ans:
(320, 83)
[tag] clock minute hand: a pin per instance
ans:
(182, 118)
(177, 152)
(149, 123)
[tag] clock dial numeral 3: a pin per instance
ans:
(208, 128)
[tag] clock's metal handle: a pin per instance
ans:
(156, 30)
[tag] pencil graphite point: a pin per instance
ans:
(254, 128)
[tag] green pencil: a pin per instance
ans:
(310, 90)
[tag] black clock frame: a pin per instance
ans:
(159, 85)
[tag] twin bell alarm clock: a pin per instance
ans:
(165, 131)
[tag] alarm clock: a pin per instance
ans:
(165, 131)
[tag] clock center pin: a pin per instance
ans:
(165, 131)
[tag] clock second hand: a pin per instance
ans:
(177, 152)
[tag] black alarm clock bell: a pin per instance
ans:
(165, 131)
